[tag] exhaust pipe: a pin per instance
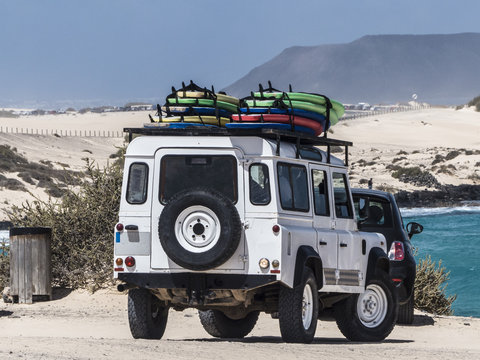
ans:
(123, 287)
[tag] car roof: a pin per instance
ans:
(371, 192)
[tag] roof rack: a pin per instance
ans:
(298, 139)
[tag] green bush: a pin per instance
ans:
(82, 228)
(430, 284)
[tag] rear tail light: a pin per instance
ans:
(130, 261)
(119, 227)
(396, 253)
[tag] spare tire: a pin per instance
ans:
(199, 229)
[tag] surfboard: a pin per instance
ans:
(202, 103)
(208, 95)
(210, 120)
(297, 112)
(194, 110)
(301, 96)
(283, 119)
(178, 125)
(302, 105)
(257, 125)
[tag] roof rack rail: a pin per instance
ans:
(298, 139)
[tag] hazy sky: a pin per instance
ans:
(110, 52)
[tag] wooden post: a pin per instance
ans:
(30, 263)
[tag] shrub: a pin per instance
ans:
(430, 284)
(82, 226)
(438, 158)
(452, 155)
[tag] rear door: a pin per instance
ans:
(327, 239)
(176, 170)
(350, 253)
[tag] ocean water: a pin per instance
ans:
(3, 237)
(453, 236)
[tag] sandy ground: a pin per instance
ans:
(80, 325)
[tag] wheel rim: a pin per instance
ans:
(372, 306)
(197, 229)
(307, 307)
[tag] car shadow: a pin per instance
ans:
(278, 340)
(5, 313)
(421, 320)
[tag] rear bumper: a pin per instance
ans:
(196, 281)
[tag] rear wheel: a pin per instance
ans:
(405, 312)
(298, 310)
(147, 316)
(219, 325)
(370, 316)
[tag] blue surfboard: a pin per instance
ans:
(259, 125)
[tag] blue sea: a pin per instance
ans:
(453, 236)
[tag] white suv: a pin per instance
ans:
(238, 222)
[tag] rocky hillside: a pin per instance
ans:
(440, 69)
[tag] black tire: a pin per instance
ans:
(405, 312)
(219, 325)
(294, 326)
(379, 291)
(147, 316)
(213, 203)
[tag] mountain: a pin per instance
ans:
(440, 69)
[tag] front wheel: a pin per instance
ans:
(370, 316)
(298, 310)
(147, 316)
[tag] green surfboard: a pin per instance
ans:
(312, 98)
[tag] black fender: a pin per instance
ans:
(307, 256)
(377, 261)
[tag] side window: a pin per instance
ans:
(320, 192)
(373, 212)
(137, 183)
(259, 184)
(343, 207)
(293, 187)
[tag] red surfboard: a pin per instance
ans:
(281, 118)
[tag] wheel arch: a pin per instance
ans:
(307, 256)
(377, 261)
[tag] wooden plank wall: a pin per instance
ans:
(30, 266)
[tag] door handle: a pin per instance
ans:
(343, 245)
(131, 227)
(323, 242)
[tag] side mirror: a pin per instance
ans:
(414, 228)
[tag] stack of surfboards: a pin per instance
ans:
(294, 111)
(195, 106)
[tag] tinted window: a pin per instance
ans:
(181, 172)
(373, 212)
(343, 208)
(293, 187)
(137, 183)
(320, 192)
(259, 184)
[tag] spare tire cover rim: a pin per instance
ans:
(197, 229)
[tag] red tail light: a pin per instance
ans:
(130, 261)
(396, 253)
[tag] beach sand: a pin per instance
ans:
(79, 325)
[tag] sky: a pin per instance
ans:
(57, 53)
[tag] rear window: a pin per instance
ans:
(373, 212)
(293, 187)
(183, 172)
(137, 183)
